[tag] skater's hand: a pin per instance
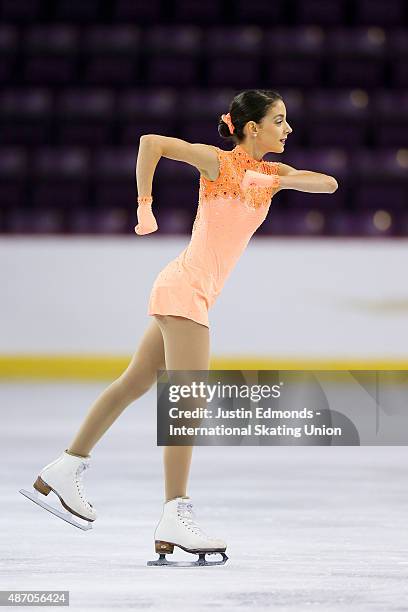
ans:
(146, 221)
(252, 177)
(248, 180)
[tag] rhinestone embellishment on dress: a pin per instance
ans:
(233, 165)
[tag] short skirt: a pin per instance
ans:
(181, 291)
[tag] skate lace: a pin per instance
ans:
(79, 481)
(185, 511)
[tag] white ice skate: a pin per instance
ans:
(178, 528)
(64, 477)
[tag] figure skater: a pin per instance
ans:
(235, 191)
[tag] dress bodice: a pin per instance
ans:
(232, 167)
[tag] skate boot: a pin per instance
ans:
(178, 528)
(64, 477)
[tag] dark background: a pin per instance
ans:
(82, 80)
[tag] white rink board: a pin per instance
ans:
(285, 297)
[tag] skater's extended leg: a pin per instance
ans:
(135, 381)
(187, 347)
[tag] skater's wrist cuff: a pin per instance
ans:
(144, 200)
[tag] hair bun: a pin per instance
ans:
(223, 129)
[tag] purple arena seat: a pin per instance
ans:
(337, 117)
(231, 72)
(326, 160)
(130, 11)
(377, 11)
(112, 54)
(356, 56)
(20, 10)
(312, 222)
(146, 111)
(287, 71)
(380, 179)
(275, 222)
(8, 39)
(113, 172)
(398, 56)
(374, 194)
(37, 220)
(293, 56)
(172, 71)
(173, 40)
(298, 41)
(84, 116)
(132, 130)
(201, 131)
(118, 192)
(233, 41)
(367, 226)
(25, 115)
(196, 11)
(390, 122)
(386, 102)
(110, 71)
(157, 103)
(263, 11)
(112, 220)
(201, 103)
(325, 201)
(401, 223)
(175, 221)
(177, 197)
(322, 12)
(387, 164)
(326, 132)
(54, 39)
(63, 163)
(78, 10)
(47, 70)
(104, 220)
(176, 185)
(60, 177)
(86, 103)
(13, 175)
(359, 72)
(8, 51)
(112, 40)
(114, 163)
(13, 163)
(172, 171)
(364, 42)
(397, 41)
(50, 53)
(343, 223)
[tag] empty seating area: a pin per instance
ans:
(81, 81)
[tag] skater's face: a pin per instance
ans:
(271, 130)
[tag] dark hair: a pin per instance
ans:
(247, 105)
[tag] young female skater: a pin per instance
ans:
(235, 193)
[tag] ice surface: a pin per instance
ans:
(308, 528)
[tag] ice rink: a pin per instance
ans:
(307, 527)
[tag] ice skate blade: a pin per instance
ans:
(201, 561)
(65, 516)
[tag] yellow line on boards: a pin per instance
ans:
(99, 367)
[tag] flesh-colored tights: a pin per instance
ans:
(171, 343)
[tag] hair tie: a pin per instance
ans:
(227, 120)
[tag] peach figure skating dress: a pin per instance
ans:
(225, 221)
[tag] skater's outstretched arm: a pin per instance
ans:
(290, 178)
